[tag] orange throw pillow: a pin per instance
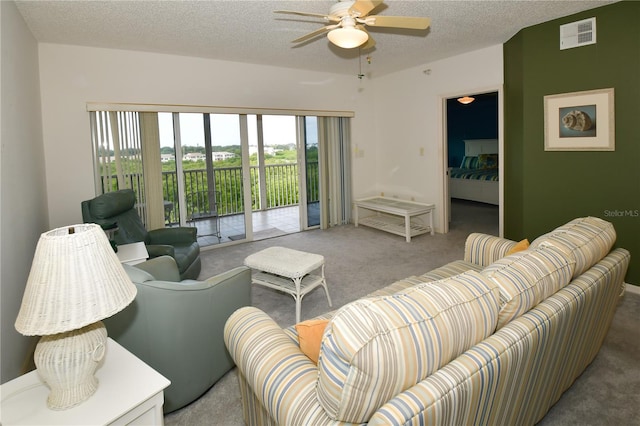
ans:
(310, 336)
(521, 245)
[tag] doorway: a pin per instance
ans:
(479, 117)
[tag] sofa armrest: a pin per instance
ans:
(281, 377)
(173, 236)
(484, 249)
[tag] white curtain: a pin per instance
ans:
(335, 170)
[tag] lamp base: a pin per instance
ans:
(67, 363)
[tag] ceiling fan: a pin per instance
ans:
(349, 19)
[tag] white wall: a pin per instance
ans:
(397, 115)
(23, 207)
(408, 108)
(71, 76)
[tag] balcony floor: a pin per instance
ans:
(266, 224)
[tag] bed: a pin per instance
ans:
(477, 177)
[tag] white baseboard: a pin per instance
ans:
(632, 288)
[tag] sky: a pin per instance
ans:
(277, 129)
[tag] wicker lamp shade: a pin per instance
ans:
(76, 279)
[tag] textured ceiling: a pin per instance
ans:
(249, 31)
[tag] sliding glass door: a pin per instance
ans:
(310, 166)
(203, 174)
(232, 176)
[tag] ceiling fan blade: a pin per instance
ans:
(315, 15)
(410, 22)
(315, 33)
(361, 8)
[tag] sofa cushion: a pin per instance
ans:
(527, 277)
(446, 271)
(376, 347)
(449, 270)
(587, 239)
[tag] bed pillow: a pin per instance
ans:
(374, 348)
(488, 161)
(469, 162)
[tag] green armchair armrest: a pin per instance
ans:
(173, 236)
(156, 250)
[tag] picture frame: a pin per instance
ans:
(580, 121)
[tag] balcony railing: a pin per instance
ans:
(281, 182)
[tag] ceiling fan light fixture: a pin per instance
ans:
(348, 37)
(466, 100)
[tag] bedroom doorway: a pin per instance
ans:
(465, 120)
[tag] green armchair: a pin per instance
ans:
(177, 327)
(117, 209)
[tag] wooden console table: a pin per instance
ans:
(394, 216)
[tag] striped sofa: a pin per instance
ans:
(493, 339)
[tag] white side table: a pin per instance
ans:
(288, 270)
(132, 253)
(129, 393)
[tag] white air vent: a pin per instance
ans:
(578, 33)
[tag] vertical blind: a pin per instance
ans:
(335, 149)
(117, 145)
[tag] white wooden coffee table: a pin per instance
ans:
(289, 271)
(396, 216)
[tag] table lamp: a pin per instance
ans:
(76, 280)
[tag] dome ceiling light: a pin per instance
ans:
(465, 100)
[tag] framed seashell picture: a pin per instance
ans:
(580, 121)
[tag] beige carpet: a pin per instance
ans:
(361, 260)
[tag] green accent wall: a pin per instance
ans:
(545, 189)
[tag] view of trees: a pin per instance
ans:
(284, 154)
(282, 182)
